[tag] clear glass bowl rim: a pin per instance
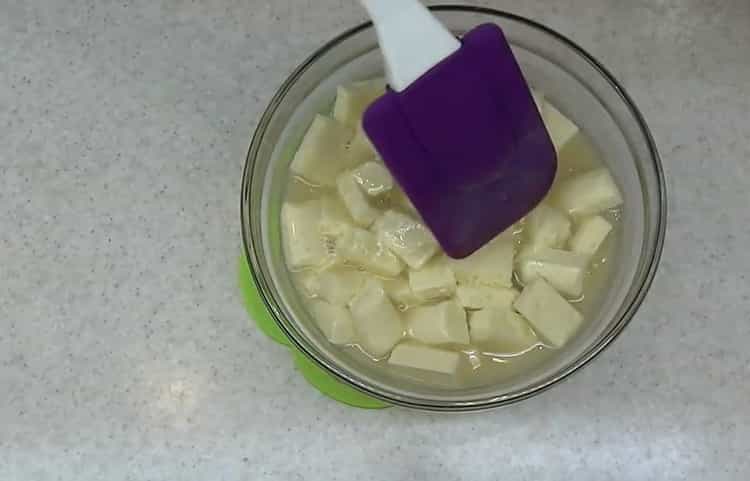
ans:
(251, 248)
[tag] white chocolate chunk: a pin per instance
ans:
(335, 321)
(426, 358)
(561, 130)
(322, 154)
(407, 238)
(376, 85)
(547, 227)
(400, 199)
(304, 246)
(590, 235)
(376, 322)
(355, 200)
(352, 100)
(551, 316)
(400, 292)
(334, 218)
(501, 327)
(589, 193)
(373, 178)
(479, 297)
(491, 265)
(564, 270)
(433, 281)
(362, 248)
(360, 149)
(443, 323)
(337, 285)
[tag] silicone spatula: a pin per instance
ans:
(458, 127)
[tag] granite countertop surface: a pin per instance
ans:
(125, 352)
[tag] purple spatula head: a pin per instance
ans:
(467, 143)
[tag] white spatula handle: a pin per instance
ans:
(411, 38)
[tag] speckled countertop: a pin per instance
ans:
(125, 353)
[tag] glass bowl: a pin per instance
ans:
(578, 84)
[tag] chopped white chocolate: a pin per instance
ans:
(551, 316)
(491, 265)
(352, 100)
(373, 276)
(360, 149)
(322, 154)
(501, 327)
(406, 237)
(442, 323)
(433, 281)
(335, 321)
(564, 270)
(400, 199)
(547, 227)
(399, 291)
(304, 246)
(362, 248)
(377, 323)
(479, 297)
(337, 285)
(561, 130)
(355, 200)
(589, 193)
(426, 358)
(373, 178)
(590, 235)
(334, 218)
